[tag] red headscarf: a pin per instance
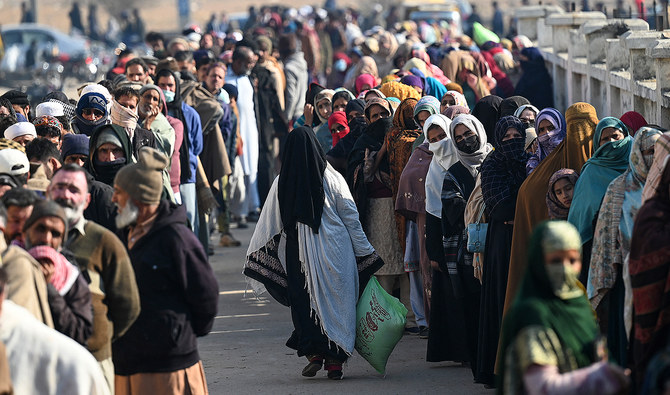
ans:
(633, 121)
(338, 117)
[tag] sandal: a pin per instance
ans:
(314, 365)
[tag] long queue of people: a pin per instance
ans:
(425, 158)
(522, 239)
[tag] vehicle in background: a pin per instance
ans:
(438, 11)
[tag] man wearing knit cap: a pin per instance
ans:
(19, 101)
(75, 149)
(109, 150)
(90, 113)
(69, 297)
(184, 302)
(21, 132)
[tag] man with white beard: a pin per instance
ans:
(103, 259)
(179, 292)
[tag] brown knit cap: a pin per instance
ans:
(143, 180)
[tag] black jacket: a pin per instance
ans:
(178, 297)
(72, 313)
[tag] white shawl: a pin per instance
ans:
(328, 258)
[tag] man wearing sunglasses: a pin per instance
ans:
(90, 113)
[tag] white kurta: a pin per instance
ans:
(247, 122)
(328, 258)
(44, 361)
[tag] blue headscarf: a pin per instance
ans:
(608, 162)
(434, 88)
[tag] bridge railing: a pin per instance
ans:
(617, 65)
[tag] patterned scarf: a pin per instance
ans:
(503, 171)
(556, 209)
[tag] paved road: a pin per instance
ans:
(245, 352)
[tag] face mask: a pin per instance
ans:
(340, 65)
(440, 148)
(529, 124)
(563, 280)
(469, 144)
(169, 96)
(544, 138)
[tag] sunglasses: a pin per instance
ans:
(92, 111)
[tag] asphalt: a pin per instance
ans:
(246, 353)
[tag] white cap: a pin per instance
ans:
(54, 109)
(13, 162)
(20, 129)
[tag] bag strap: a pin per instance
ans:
(481, 213)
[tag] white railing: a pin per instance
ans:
(617, 65)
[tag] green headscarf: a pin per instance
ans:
(608, 162)
(571, 319)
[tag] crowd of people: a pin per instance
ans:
(526, 243)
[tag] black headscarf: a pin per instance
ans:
(535, 83)
(300, 191)
(487, 110)
(509, 105)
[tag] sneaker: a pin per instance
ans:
(423, 332)
(227, 240)
(314, 365)
(242, 223)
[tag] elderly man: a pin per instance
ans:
(179, 292)
(68, 293)
(99, 254)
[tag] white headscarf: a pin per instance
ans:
(472, 161)
(444, 156)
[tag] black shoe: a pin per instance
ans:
(413, 330)
(335, 374)
(423, 332)
(210, 251)
(314, 365)
(253, 216)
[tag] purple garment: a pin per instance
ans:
(412, 80)
(556, 136)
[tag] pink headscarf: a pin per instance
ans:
(365, 79)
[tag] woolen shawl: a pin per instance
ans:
(606, 164)
(571, 319)
(572, 153)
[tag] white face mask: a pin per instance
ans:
(440, 148)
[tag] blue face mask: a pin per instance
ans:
(169, 96)
(340, 65)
